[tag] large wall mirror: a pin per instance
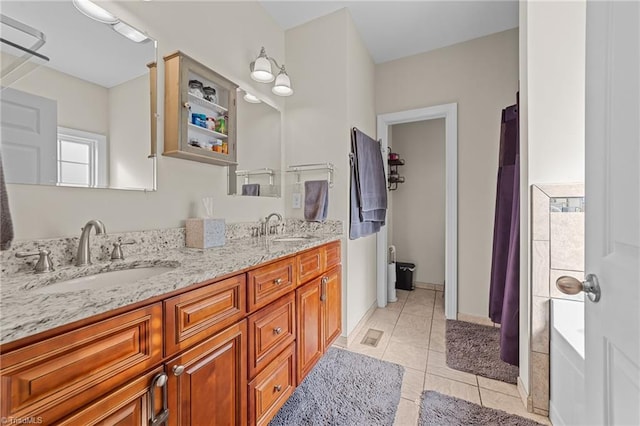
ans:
(83, 118)
(259, 140)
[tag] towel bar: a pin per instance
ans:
(299, 168)
(247, 173)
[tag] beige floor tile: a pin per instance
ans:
(406, 355)
(407, 414)
(383, 319)
(510, 404)
(414, 336)
(437, 337)
(412, 384)
(402, 294)
(419, 308)
(422, 295)
(437, 365)
(452, 388)
(395, 306)
(498, 386)
(375, 352)
(416, 321)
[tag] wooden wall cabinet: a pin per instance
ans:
(185, 135)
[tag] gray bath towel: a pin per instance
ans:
(370, 179)
(251, 189)
(6, 224)
(316, 200)
(368, 203)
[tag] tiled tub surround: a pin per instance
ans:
(557, 249)
(24, 312)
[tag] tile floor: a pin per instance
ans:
(414, 329)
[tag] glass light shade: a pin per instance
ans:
(251, 98)
(282, 86)
(95, 12)
(262, 70)
(129, 32)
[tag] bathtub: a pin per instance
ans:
(567, 393)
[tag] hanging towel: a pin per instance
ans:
(316, 200)
(368, 203)
(6, 224)
(251, 189)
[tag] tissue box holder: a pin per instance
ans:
(205, 233)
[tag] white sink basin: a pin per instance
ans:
(294, 238)
(104, 280)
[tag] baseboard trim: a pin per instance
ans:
(345, 341)
(527, 400)
(475, 319)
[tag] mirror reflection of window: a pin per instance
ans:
(81, 159)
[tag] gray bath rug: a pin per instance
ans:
(345, 389)
(475, 349)
(443, 410)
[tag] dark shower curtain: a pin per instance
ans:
(504, 298)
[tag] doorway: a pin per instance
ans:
(450, 114)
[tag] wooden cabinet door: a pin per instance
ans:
(208, 383)
(332, 306)
(309, 327)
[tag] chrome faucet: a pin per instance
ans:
(265, 224)
(83, 257)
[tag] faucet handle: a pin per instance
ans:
(44, 264)
(117, 253)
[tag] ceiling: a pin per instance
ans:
(395, 29)
(80, 46)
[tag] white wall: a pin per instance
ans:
(225, 36)
(336, 94)
(481, 75)
(129, 111)
(552, 78)
(419, 203)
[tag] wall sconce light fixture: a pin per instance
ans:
(261, 72)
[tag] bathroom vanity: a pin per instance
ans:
(226, 350)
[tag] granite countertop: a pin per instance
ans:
(24, 312)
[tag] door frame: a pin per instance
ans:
(450, 114)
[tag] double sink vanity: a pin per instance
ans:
(179, 336)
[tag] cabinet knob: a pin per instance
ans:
(277, 281)
(277, 330)
(277, 388)
(178, 370)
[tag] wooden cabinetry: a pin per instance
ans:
(187, 115)
(234, 351)
(207, 384)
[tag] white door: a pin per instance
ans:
(29, 137)
(612, 230)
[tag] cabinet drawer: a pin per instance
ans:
(195, 315)
(56, 376)
(310, 264)
(268, 283)
(129, 405)
(271, 329)
(271, 388)
(333, 255)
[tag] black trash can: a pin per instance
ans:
(404, 275)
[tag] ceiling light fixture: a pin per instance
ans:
(251, 98)
(97, 13)
(261, 72)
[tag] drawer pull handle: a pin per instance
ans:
(277, 388)
(277, 330)
(277, 281)
(178, 370)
